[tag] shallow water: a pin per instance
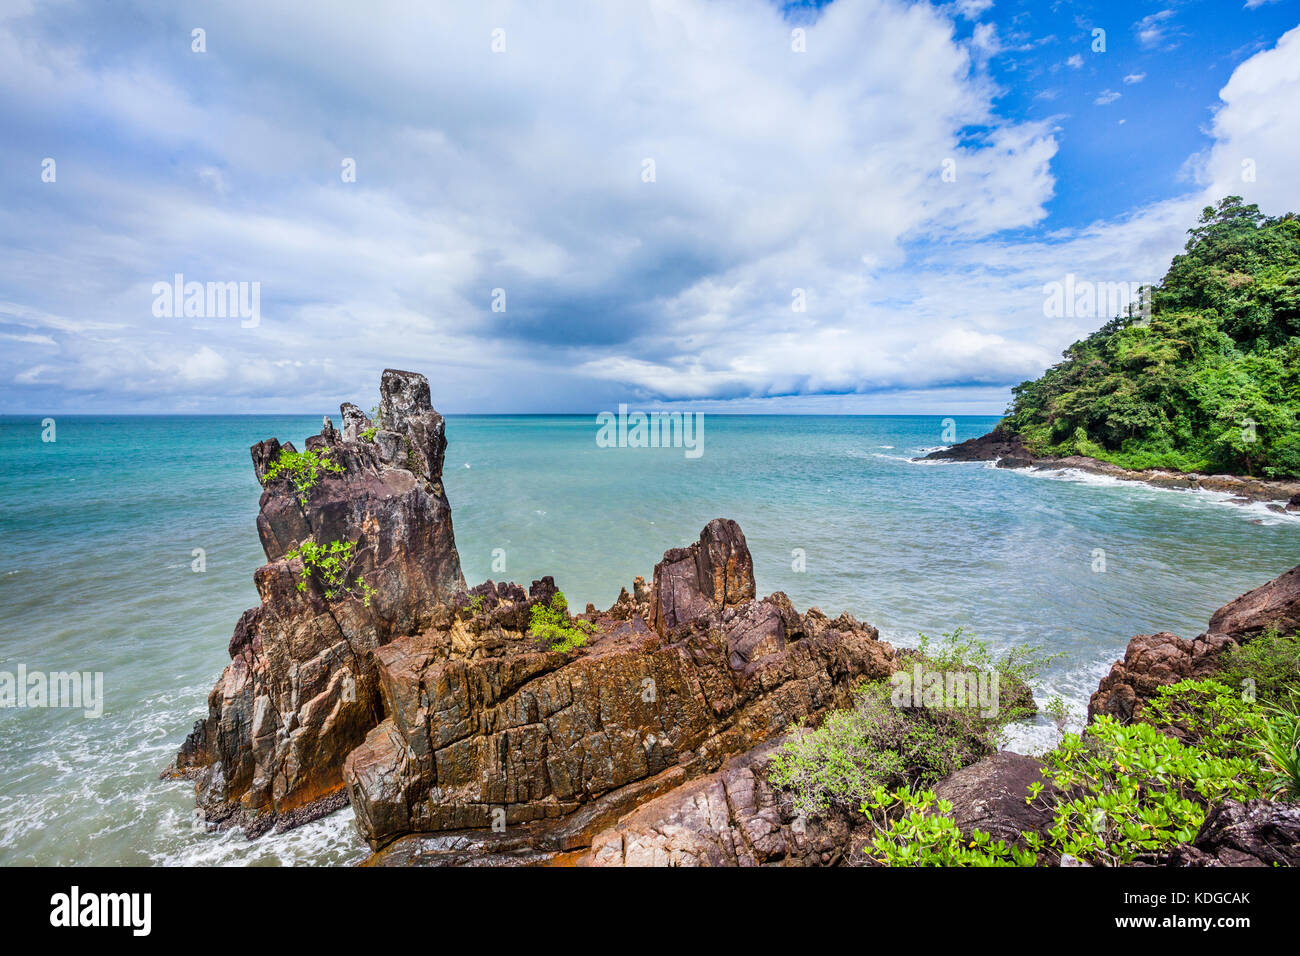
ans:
(97, 532)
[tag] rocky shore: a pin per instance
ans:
(1007, 451)
(461, 738)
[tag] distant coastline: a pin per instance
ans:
(1007, 451)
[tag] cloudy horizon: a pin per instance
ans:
(846, 207)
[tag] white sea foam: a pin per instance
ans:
(1258, 512)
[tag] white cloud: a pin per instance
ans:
(1134, 78)
(822, 171)
(1151, 29)
(1075, 62)
(1106, 97)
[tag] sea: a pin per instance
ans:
(128, 545)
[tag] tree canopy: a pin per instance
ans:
(1209, 382)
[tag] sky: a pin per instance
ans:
(729, 205)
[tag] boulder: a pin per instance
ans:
(301, 690)
(1294, 503)
(1254, 833)
(1272, 605)
(992, 796)
(731, 817)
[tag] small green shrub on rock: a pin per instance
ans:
(330, 565)
(915, 828)
(877, 743)
(303, 469)
(551, 624)
(1268, 665)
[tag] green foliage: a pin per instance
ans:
(1221, 351)
(1278, 743)
(1137, 792)
(330, 564)
(303, 469)
(876, 743)
(1132, 793)
(551, 624)
(917, 829)
(368, 434)
(1268, 664)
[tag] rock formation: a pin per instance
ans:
(1152, 661)
(435, 709)
(301, 690)
(485, 727)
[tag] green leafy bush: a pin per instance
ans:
(1268, 664)
(915, 828)
(1278, 743)
(551, 624)
(1140, 792)
(331, 564)
(876, 743)
(303, 469)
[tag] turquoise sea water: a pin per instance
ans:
(98, 529)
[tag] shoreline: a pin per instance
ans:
(1282, 496)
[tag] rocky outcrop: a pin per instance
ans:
(301, 690)
(1254, 833)
(484, 727)
(1152, 661)
(996, 445)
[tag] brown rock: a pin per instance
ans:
(732, 817)
(301, 690)
(992, 795)
(480, 720)
(714, 572)
(1152, 661)
(1275, 604)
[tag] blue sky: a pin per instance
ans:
(861, 217)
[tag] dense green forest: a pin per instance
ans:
(1209, 381)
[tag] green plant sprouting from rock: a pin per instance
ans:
(551, 624)
(303, 469)
(330, 564)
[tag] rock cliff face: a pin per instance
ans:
(1152, 661)
(301, 690)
